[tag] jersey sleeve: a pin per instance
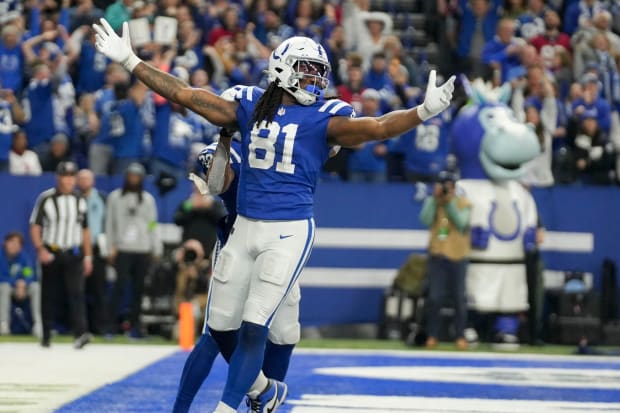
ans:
(337, 107)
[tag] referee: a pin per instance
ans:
(59, 232)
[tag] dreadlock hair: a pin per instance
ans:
(268, 104)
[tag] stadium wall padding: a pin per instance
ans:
(368, 210)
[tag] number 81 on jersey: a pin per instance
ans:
(265, 137)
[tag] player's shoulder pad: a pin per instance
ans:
(240, 93)
(337, 107)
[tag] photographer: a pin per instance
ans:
(192, 275)
(447, 216)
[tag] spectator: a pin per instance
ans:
(83, 14)
(377, 76)
(603, 60)
(133, 241)
(11, 113)
(23, 161)
(276, 31)
(189, 54)
(351, 90)
(229, 24)
(593, 153)
(58, 152)
(118, 12)
(132, 114)
(592, 101)
(100, 151)
(65, 256)
(176, 130)
(582, 40)
(40, 109)
(367, 163)
(530, 23)
(377, 25)
(96, 283)
(579, 14)
(198, 217)
(90, 64)
(502, 53)
(477, 27)
(546, 42)
(447, 216)
(18, 280)
(543, 118)
(11, 59)
(426, 149)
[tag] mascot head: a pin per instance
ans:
(489, 142)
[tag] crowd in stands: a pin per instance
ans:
(62, 100)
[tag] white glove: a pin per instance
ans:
(114, 47)
(437, 99)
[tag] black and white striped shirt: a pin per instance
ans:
(62, 218)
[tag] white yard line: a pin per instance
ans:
(34, 379)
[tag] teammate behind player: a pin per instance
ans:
(286, 131)
(284, 332)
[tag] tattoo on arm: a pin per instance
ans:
(162, 83)
(200, 103)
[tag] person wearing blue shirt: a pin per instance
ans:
(426, 149)
(38, 104)
(579, 12)
(101, 151)
(11, 59)
(17, 279)
(91, 65)
(502, 53)
(176, 130)
(287, 132)
(367, 163)
(478, 22)
(593, 102)
(131, 117)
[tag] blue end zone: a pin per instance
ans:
(153, 388)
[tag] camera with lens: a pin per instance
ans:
(189, 255)
(447, 179)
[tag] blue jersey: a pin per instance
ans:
(11, 67)
(16, 268)
(38, 104)
(91, 69)
(104, 100)
(282, 160)
(427, 146)
(174, 134)
(128, 125)
(230, 196)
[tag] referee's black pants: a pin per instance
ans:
(65, 272)
(131, 270)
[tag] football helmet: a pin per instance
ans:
(300, 59)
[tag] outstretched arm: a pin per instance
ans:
(213, 108)
(349, 132)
